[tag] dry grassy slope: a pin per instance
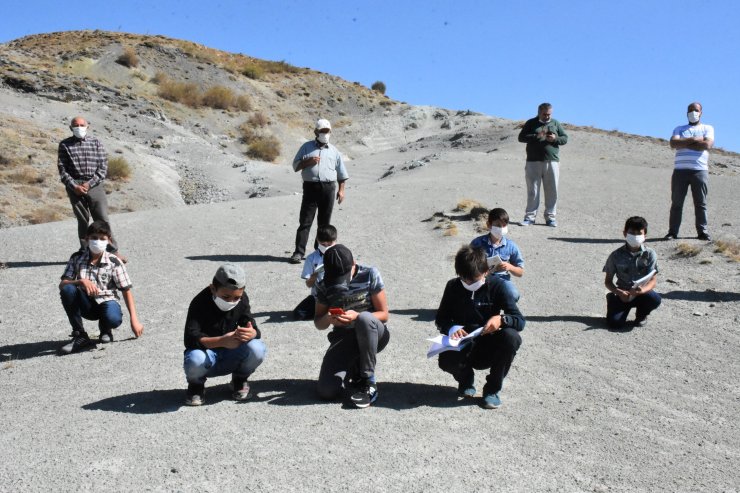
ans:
(182, 154)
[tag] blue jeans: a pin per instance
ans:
(617, 310)
(200, 364)
(79, 305)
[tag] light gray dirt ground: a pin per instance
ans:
(585, 409)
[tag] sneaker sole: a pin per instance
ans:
(194, 403)
(362, 405)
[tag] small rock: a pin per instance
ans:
(712, 305)
(697, 314)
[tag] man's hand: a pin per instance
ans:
(503, 266)
(551, 137)
(80, 190)
(340, 196)
(635, 291)
(458, 334)
(90, 287)
(623, 295)
(311, 161)
(230, 340)
(245, 334)
(136, 327)
(493, 324)
(345, 318)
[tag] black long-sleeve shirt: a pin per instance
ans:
(205, 319)
(458, 308)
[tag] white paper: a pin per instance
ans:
(493, 261)
(442, 343)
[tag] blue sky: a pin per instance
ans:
(629, 65)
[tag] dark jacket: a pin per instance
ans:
(541, 150)
(205, 319)
(457, 307)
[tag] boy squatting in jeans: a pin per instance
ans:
(221, 337)
(631, 262)
(89, 289)
(473, 300)
(313, 271)
(352, 299)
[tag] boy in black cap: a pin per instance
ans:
(352, 299)
(221, 337)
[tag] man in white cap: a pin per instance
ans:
(324, 174)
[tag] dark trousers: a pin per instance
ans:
(93, 205)
(617, 310)
(79, 305)
(495, 351)
(352, 353)
(316, 195)
(680, 183)
(305, 309)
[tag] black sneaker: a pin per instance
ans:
(296, 258)
(240, 389)
(704, 236)
(365, 395)
(106, 337)
(195, 395)
(670, 236)
(80, 343)
(641, 322)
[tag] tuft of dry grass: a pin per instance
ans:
(180, 92)
(252, 71)
(258, 119)
(243, 103)
(43, 215)
(684, 249)
(218, 97)
(467, 205)
(29, 192)
(118, 168)
(450, 230)
(128, 58)
(159, 77)
(730, 248)
(264, 147)
(27, 175)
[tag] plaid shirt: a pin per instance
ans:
(109, 275)
(82, 160)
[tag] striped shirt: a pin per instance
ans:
(108, 275)
(689, 158)
(330, 167)
(82, 160)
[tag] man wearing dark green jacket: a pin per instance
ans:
(543, 135)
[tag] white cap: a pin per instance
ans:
(322, 123)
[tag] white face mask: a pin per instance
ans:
(475, 286)
(97, 246)
(79, 132)
(635, 240)
(497, 232)
(324, 138)
(323, 248)
(693, 116)
(224, 305)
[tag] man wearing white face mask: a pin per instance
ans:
(89, 290)
(635, 267)
(470, 301)
(324, 175)
(221, 336)
(692, 143)
(83, 166)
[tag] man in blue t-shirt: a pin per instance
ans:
(313, 271)
(351, 298)
(692, 143)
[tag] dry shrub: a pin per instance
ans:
(118, 168)
(5, 160)
(139, 75)
(180, 92)
(729, 248)
(219, 97)
(258, 119)
(247, 133)
(687, 250)
(27, 175)
(243, 103)
(450, 230)
(128, 58)
(378, 86)
(264, 147)
(29, 192)
(43, 215)
(253, 71)
(159, 77)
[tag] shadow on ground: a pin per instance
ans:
(239, 258)
(708, 295)
(418, 314)
(28, 350)
(587, 240)
(284, 392)
(275, 317)
(22, 265)
(591, 322)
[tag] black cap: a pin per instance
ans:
(338, 262)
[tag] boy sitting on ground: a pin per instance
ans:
(89, 289)
(221, 337)
(635, 267)
(313, 270)
(496, 244)
(470, 301)
(352, 299)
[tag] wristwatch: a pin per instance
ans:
(507, 321)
